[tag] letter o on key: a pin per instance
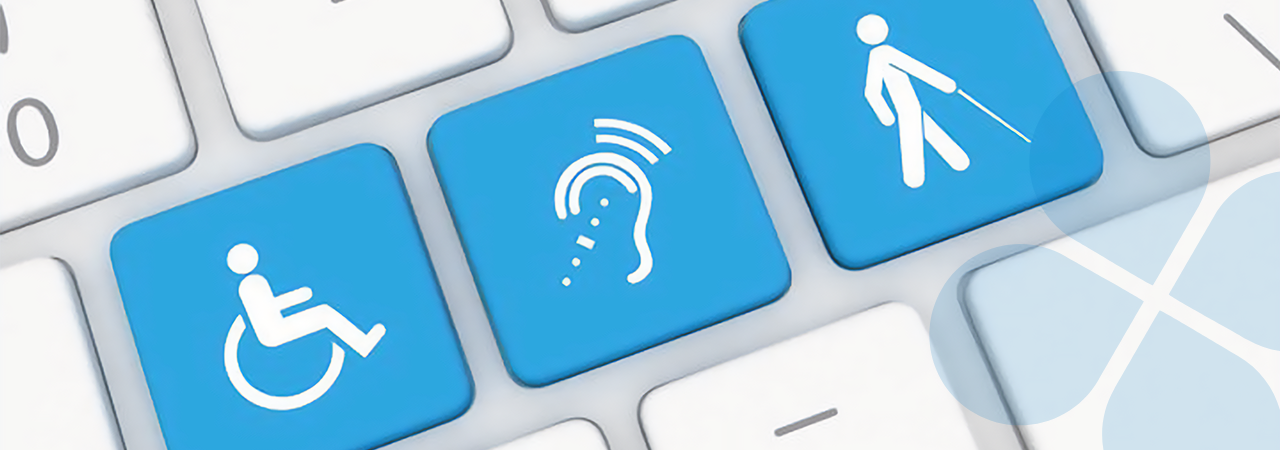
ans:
(15, 140)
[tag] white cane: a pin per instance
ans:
(993, 115)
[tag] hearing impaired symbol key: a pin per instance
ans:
(606, 210)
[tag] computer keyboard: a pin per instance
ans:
(343, 225)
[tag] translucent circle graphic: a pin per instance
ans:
(1053, 323)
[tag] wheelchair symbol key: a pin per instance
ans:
(300, 307)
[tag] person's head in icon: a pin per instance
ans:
(242, 259)
(872, 29)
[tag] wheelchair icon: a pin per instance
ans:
(273, 402)
(264, 310)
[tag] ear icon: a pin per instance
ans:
(620, 169)
(4, 33)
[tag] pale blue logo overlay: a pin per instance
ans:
(908, 122)
(298, 310)
(606, 210)
(1157, 329)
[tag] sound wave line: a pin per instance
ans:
(636, 130)
(629, 144)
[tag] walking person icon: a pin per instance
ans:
(890, 69)
(265, 310)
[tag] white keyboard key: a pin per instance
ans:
(576, 434)
(1194, 48)
(291, 64)
(864, 382)
(583, 15)
(51, 396)
(1153, 330)
(89, 104)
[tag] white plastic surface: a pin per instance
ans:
(583, 15)
(290, 64)
(101, 69)
(51, 395)
(1190, 46)
(576, 434)
(864, 382)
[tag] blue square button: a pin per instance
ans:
(908, 122)
(298, 310)
(606, 210)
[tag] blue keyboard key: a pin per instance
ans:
(298, 310)
(913, 121)
(606, 210)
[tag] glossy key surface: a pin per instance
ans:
(864, 382)
(89, 105)
(51, 385)
(287, 65)
(299, 310)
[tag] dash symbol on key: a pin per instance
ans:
(802, 423)
(1266, 53)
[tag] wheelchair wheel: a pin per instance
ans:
(278, 403)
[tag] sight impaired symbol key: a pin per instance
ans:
(924, 119)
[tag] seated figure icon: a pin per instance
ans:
(266, 310)
(273, 329)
